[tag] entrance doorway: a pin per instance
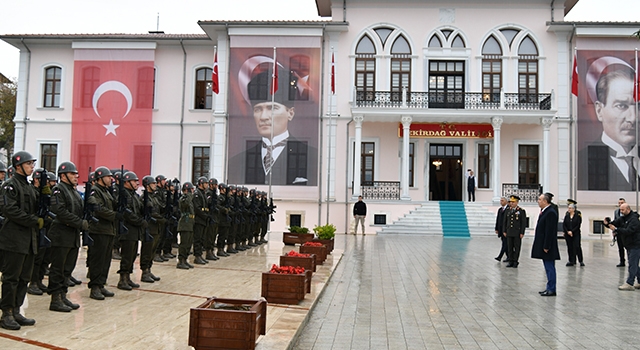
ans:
(445, 172)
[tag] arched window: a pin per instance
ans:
(204, 94)
(435, 41)
(509, 34)
(52, 86)
(491, 70)
(400, 67)
(528, 71)
(457, 42)
(365, 69)
(383, 33)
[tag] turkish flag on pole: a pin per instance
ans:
(214, 76)
(274, 82)
(112, 109)
(574, 77)
(333, 75)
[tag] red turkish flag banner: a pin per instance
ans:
(113, 94)
(574, 77)
(274, 82)
(214, 76)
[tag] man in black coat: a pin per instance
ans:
(616, 215)
(359, 214)
(627, 228)
(499, 224)
(545, 242)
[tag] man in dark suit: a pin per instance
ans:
(499, 224)
(616, 215)
(545, 242)
(513, 227)
(612, 162)
(627, 226)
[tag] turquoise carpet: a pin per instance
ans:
(454, 219)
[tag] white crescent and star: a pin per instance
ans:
(112, 85)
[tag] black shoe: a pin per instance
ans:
(41, 286)
(581, 263)
(106, 292)
(620, 265)
(57, 304)
(222, 253)
(198, 260)
(168, 256)
(498, 258)
(241, 248)
(505, 260)
(68, 302)
(96, 293)
(23, 321)
(158, 258)
(146, 277)
(548, 293)
(123, 284)
(570, 264)
(189, 265)
(8, 322)
(542, 291)
(132, 283)
(182, 265)
(515, 265)
(510, 265)
(74, 280)
(210, 255)
(33, 289)
(69, 282)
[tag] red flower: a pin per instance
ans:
(313, 244)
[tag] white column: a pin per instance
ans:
(357, 151)
(546, 125)
(497, 183)
(404, 182)
(21, 102)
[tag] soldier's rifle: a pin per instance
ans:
(168, 214)
(122, 204)
(213, 208)
(87, 211)
(43, 210)
(148, 208)
(272, 208)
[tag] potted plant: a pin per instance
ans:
(296, 234)
(286, 284)
(325, 234)
(293, 258)
(317, 248)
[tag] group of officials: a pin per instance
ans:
(43, 220)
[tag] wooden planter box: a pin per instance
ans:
(211, 329)
(326, 242)
(283, 288)
(308, 263)
(289, 238)
(320, 252)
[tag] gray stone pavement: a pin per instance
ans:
(428, 292)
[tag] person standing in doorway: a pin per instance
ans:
(359, 213)
(472, 183)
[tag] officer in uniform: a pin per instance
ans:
(3, 172)
(68, 206)
(18, 240)
(212, 227)
(102, 232)
(115, 255)
(136, 224)
(43, 258)
(155, 221)
(224, 220)
(233, 225)
(515, 222)
(240, 220)
(185, 225)
(160, 195)
(265, 212)
(201, 207)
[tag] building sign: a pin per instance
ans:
(448, 130)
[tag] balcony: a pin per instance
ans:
(454, 100)
(379, 190)
(528, 193)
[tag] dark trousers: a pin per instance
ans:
(147, 251)
(513, 248)
(264, 229)
(574, 248)
(210, 236)
(550, 269)
(40, 264)
(620, 249)
(128, 251)
(472, 195)
(198, 239)
(186, 240)
(223, 236)
(16, 272)
(161, 238)
(233, 231)
(63, 261)
(99, 258)
(504, 249)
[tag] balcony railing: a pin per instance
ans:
(380, 190)
(453, 100)
(526, 192)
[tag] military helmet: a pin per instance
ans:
(21, 157)
(202, 180)
(92, 176)
(129, 176)
(51, 176)
(222, 186)
(213, 181)
(10, 171)
(37, 174)
(147, 180)
(244, 189)
(102, 172)
(232, 187)
(67, 167)
(3, 168)
(160, 178)
(252, 192)
(117, 175)
(187, 186)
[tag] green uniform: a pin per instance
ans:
(103, 232)
(185, 225)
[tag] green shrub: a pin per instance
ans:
(298, 229)
(325, 231)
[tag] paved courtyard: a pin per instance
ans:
(427, 292)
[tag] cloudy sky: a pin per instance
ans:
(91, 16)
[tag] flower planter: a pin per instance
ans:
(326, 242)
(308, 263)
(285, 288)
(289, 238)
(320, 252)
(211, 328)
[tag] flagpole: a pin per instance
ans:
(635, 91)
(213, 111)
(331, 100)
(273, 102)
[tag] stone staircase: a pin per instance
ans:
(426, 220)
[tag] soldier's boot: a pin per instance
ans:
(41, 285)
(122, 284)
(76, 281)
(199, 260)
(146, 277)
(7, 321)
(69, 303)
(158, 258)
(23, 321)
(262, 240)
(132, 283)
(107, 293)
(57, 304)
(240, 247)
(33, 289)
(69, 282)
(210, 255)
(221, 252)
(96, 293)
(230, 249)
(252, 244)
(182, 265)
(186, 261)
(115, 254)
(155, 278)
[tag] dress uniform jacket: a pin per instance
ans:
(187, 213)
(134, 220)
(201, 207)
(67, 204)
(223, 210)
(156, 213)
(104, 210)
(515, 222)
(19, 233)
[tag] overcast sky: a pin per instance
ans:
(179, 17)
